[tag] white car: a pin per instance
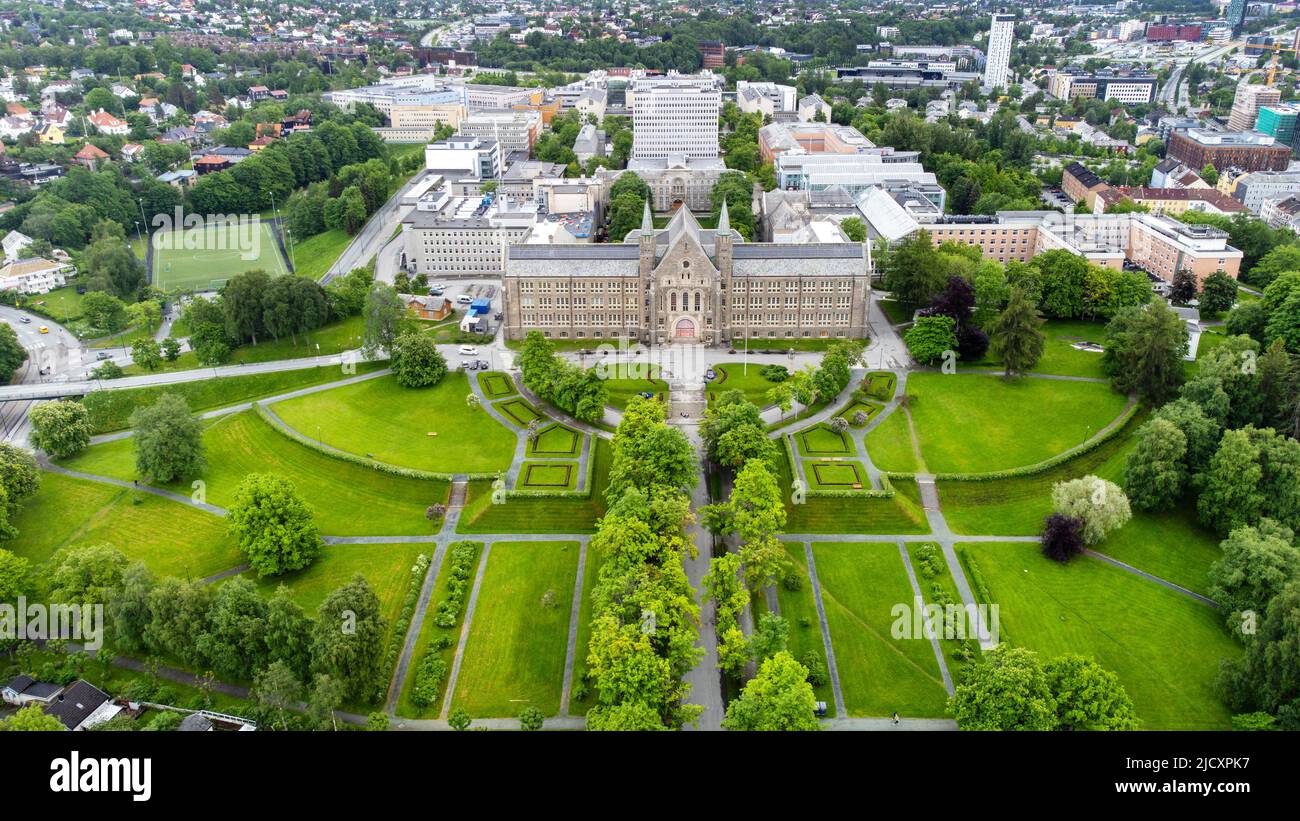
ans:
(464, 299)
(468, 350)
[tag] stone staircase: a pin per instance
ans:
(458, 491)
(686, 401)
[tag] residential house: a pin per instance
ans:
(13, 244)
(82, 706)
(25, 690)
(49, 133)
(259, 93)
(106, 123)
(11, 128)
(182, 178)
(131, 152)
(34, 276)
(121, 90)
(90, 156)
(430, 307)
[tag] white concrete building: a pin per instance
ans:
(997, 68)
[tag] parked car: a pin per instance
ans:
(464, 299)
(468, 365)
(102, 355)
(483, 365)
(435, 292)
(468, 350)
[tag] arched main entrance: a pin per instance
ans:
(684, 329)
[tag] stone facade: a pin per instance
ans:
(685, 284)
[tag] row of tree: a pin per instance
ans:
(645, 620)
(577, 391)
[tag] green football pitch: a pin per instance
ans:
(202, 259)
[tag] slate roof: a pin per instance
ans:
(77, 702)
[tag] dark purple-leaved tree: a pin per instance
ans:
(1062, 537)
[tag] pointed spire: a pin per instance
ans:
(724, 222)
(647, 222)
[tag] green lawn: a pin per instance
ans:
(1017, 506)
(61, 304)
(1059, 354)
(836, 475)
(1171, 545)
(222, 253)
(890, 444)
(898, 312)
(393, 424)
(621, 391)
(736, 376)
(582, 697)
(111, 410)
(518, 410)
(556, 441)
(518, 638)
(348, 499)
(949, 647)
(496, 385)
(1164, 646)
(879, 674)
(539, 514)
(430, 632)
(386, 567)
(170, 538)
(822, 441)
(315, 255)
(901, 514)
(977, 423)
(548, 476)
(799, 608)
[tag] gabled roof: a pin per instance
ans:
(90, 151)
(76, 703)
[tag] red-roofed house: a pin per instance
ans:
(106, 123)
(90, 156)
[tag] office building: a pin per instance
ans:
(1236, 16)
(449, 235)
(713, 54)
(1139, 89)
(675, 115)
(513, 130)
(1254, 190)
(1247, 150)
(473, 157)
(1279, 122)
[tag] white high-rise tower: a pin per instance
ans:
(997, 66)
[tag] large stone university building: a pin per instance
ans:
(686, 284)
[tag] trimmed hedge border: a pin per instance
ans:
(583, 493)
(1038, 467)
(418, 573)
(886, 490)
(383, 467)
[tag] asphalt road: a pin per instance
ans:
(374, 235)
